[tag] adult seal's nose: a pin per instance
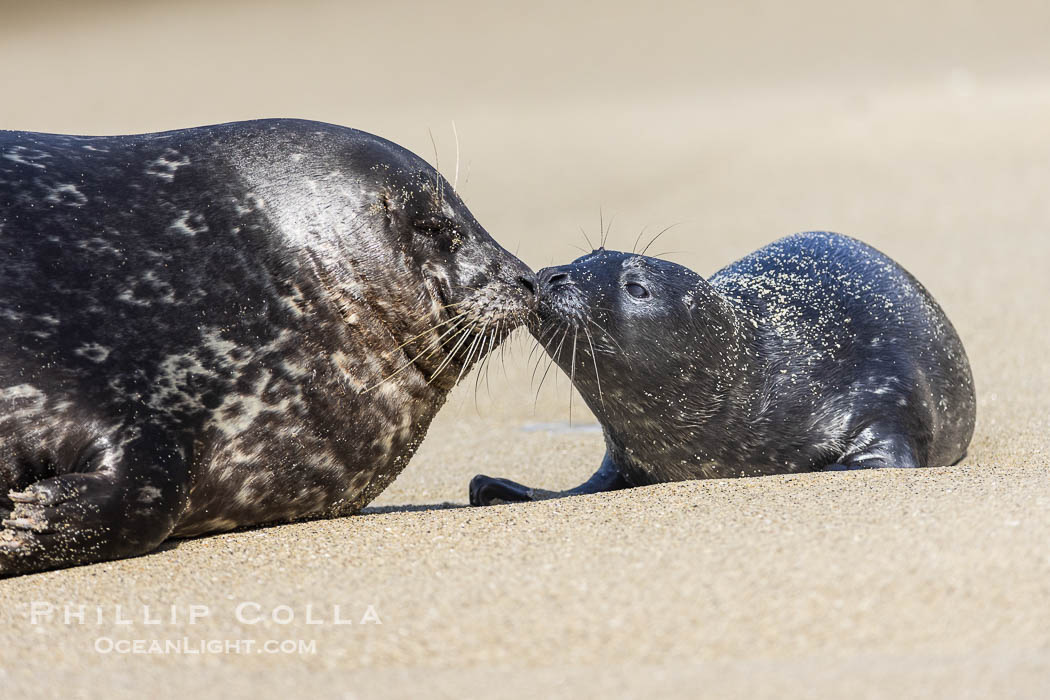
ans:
(530, 284)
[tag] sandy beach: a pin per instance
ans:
(925, 132)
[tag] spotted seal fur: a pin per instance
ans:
(815, 352)
(224, 326)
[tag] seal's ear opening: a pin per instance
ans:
(705, 304)
(698, 297)
(712, 315)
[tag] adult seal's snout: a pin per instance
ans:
(528, 282)
(225, 326)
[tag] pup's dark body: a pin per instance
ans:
(814, 352)
(189, 322)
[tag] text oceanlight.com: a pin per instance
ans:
(108, 645)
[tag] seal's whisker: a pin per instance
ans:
(536, 368)
(656, 238)
(431, 329)
(460, 339)
(432, 347)
(455, 179)
(437, 167)
(481, 367)
(503, 345)
(608, 230)
(479, 350)
(572, 370)
(545, 328)
(464, 334)
(550, 364)
(557, 351)
(586, 238)
(535, 365)
(608, 335)
(463, 367)
(605, 334)
(536, 400)
(539, 361)
(503, 351)
(466, 362)
(427, 350)
(506, 342)
(594, 361)
(553, 328)
(485, 362)
(634, 248)
(437, 343)
(443, 340)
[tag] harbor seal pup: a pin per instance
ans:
(815, 352)
(224, 326)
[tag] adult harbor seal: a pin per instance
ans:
(815, 352)
(224, 326)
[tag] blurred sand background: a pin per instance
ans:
(922, 128)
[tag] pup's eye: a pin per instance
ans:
(434, 223)
(636, 290)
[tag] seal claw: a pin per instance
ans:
(25, 497)
(490, 491)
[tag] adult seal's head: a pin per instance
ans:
(815, 352)
(385, 230)
(225, 326)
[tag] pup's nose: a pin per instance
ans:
(551, 277)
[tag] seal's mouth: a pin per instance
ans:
(437, 288)
(498, 302)
(466, 324)
(564, 306)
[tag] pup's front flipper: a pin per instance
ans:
(487, 490)
(886, 448)
(123, 503)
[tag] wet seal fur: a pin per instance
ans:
(196, 325)
(815, 352)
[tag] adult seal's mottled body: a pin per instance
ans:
(195, 327)
(815, 352)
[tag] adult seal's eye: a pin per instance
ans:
(636, 290)
(434, 224)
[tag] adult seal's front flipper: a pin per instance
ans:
(487, 490)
